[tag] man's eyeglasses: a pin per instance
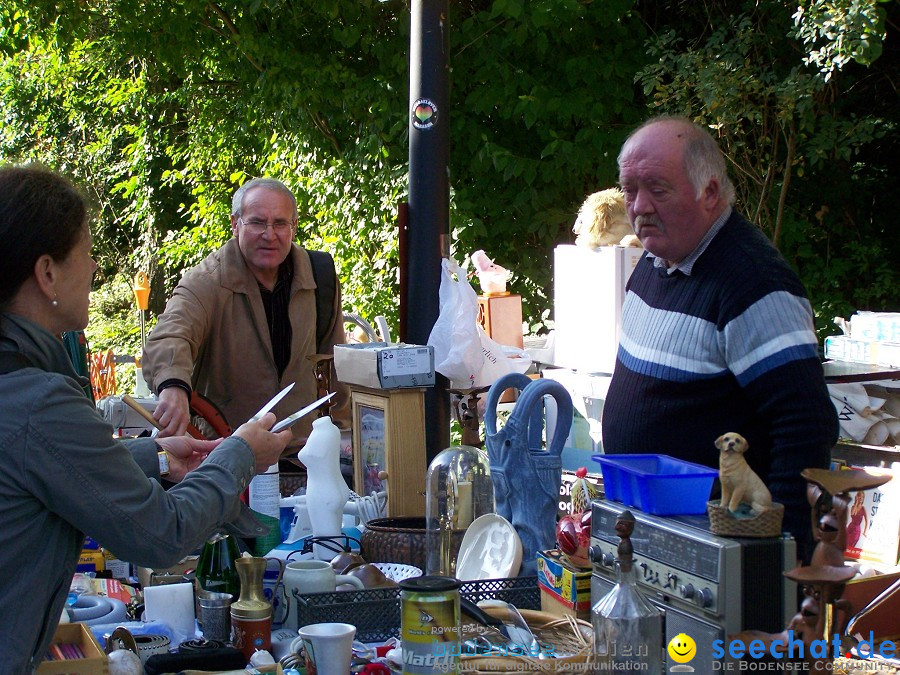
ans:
(255, 226)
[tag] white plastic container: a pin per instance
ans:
(265, 498)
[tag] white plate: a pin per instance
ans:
(490, 549)
(397, 571)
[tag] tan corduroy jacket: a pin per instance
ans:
(214, 335)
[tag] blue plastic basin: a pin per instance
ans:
(657, 484)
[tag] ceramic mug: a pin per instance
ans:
(328, 647)
(311, 576)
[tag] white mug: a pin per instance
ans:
(328, 647)
(311, 576)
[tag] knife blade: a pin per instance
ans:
(526, 635)
(492, 623)
(272, 402)
(293, 419)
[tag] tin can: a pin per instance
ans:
(251, 635)
(430, 625)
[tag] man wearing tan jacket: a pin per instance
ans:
(241, 324)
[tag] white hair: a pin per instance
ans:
(703, 159)
(267, 183)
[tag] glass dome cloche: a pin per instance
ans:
(458, 490)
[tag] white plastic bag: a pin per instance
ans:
(463, 353)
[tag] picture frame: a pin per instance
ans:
(389, 446)
(371, 422)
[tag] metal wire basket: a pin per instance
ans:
(376, 612)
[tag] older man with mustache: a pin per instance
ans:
(717, 331)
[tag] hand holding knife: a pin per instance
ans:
(272, 403)
(293, 419)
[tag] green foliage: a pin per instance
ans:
(539, 115)
(837, 32)
(161, 111)
(795, 137)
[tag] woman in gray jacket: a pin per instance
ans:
(62, 475)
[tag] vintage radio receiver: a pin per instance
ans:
(708, 587)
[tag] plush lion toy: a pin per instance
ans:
(602, 221)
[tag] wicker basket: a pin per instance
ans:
(571, 638)
(845, 666)
(723, 523)
(400, 540)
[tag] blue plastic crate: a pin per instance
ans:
(657, 484)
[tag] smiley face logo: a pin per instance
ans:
(682, 648)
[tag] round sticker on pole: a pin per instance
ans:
(424, 114)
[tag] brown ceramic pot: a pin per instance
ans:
(345, 561)
(371, 576)
(399, 540)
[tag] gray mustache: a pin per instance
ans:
(640, 221)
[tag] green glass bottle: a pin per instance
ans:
(216, 570)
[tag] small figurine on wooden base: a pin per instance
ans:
(573, 531)
(746, 508)
(823, 580)
(739, 482)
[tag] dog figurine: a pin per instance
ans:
(602, 221)
(739, 482)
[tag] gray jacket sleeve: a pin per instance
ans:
(144, 452)
(78, 470)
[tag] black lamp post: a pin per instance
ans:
(427, 237)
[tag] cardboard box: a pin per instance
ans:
(588, 292)
(91, 561)
(94, 663)
(872, 352)
(565, 589)
(378, 365)
(551, 603)
(881, 326)
(501, 318)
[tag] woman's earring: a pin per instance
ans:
(54, 302)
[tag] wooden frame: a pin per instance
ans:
(389, 436)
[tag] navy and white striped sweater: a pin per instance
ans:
(729, 348)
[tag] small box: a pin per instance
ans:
(501, 318)
(119, 569)
(858, 350)
(565, 589)
(880, 326)
(91, 561)
(378, 365)
(94, 661)
(657, 484)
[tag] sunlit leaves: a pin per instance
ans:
(836, 32)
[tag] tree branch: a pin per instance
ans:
(322, 126)
(234, 34)
(782, 197)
